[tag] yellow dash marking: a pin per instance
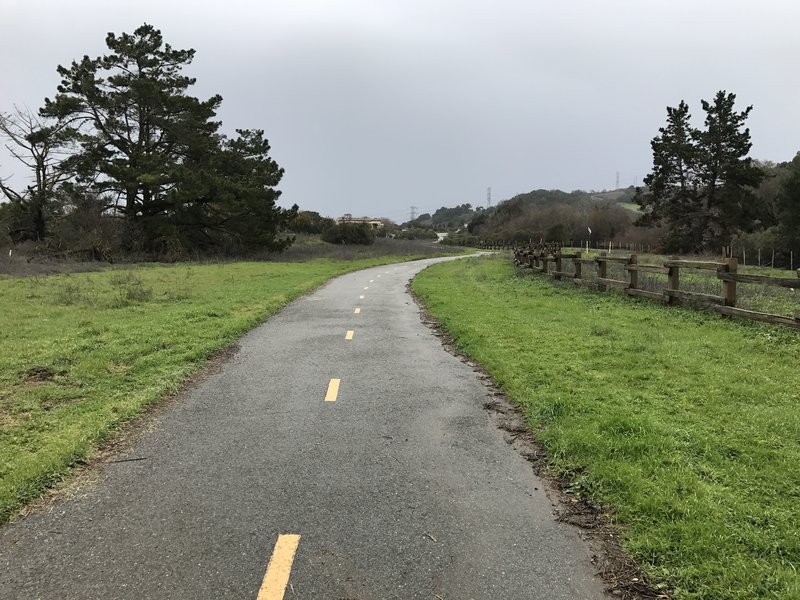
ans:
(280, 566)
(357, 310)
(361, 297)
(349, 334)
(333, 390)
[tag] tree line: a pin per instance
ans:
(124, 158)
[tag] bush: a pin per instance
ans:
(460, 239)
(522, 236)
(417, 233)
(307, 221)
(349, 233)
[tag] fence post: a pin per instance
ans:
(797, 313)
(729, 287)
(634, 275)
(558, 266)
(602, 270)
(544, 263)
(673, 280)
(577, 261)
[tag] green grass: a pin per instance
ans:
(84, 352)
(632, 207)
(686, 426)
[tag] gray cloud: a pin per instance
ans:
(372, 107)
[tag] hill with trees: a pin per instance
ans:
(704, 194)
(554, 215)
(444, 218)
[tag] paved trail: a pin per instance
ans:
(398, 485)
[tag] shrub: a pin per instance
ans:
(349, 233)
(417, 233)
(460, 239)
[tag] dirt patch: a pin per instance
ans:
(51, 403)
(8, 421)
(39, 374)
(623, 577)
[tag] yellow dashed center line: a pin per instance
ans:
(279, 568)
(357, 310)
(333, 390)
(349, 334)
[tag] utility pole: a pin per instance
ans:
(616, 188)
(488, 197)
(413, 212)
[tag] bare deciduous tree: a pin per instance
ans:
(42, 146)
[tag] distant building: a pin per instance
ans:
(348, 218)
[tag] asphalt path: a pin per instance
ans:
(265, 481)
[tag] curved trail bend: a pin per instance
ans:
(399, 486)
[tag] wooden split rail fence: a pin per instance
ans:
(551, 261)
(495, 246)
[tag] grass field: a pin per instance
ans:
(82, 353)
(686, 426)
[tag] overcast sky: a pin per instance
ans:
(374, 106)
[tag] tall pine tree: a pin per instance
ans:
(155, 153)
(229, 197)
(702, 182)
(138, 126)
(672, 198)
(728, 176)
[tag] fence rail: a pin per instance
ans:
(550, 260)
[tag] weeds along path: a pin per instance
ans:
(684, 425)
(341, 453)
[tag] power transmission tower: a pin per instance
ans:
(413, 212)
(488, 197)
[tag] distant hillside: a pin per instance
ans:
(623, 197)
(445, 219)
(620, 195)
(554, 215)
